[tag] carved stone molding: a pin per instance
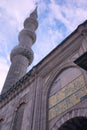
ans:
(17, 87)
(19, 50)
(27, 33)
(23, 101)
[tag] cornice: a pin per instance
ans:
(17, 88)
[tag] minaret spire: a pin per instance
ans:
(22, 55)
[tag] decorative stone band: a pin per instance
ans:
(26, 33)
(17, 87)
(19, 50)
(32, 21)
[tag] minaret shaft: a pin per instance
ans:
(15, 72)
(22, 55)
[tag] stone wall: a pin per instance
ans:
(34, 88)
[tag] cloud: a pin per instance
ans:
(3, 71)
(17, 9)
(70, 13)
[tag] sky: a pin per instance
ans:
(56, 18)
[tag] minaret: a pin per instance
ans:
(22, 55)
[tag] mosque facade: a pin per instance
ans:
(53, 94)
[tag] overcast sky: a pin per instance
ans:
(57, 19)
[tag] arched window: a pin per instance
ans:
(17, 123)
(1, 120)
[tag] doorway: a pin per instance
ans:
(77, 123)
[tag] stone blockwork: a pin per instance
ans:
(35, 88)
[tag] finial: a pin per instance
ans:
(34, 13)
(32, 19)
(36, 9)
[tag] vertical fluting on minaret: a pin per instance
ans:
(22, 55)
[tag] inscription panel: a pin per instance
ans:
(67, 97)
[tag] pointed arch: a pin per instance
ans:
(18, 117)
(47, 87)
(1, 121)
(66, 94)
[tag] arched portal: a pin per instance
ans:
(67, 91)
(77, 123)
